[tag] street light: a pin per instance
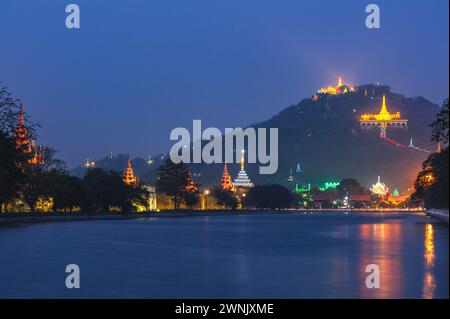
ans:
(206, 193)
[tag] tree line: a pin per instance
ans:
(432, 182)
(23, 182)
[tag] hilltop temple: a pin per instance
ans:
(242, 180)
(340, 88)
(128, 175)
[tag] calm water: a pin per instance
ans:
(272, 256)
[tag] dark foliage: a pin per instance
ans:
(350, 186)
(441, 125)
(11, 176)
(225, 198)
(269, 196)
(172, 180)
(432, 183)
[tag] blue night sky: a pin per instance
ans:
(137, 69)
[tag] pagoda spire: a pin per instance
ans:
(383, 106)
(128, 175)
(226, 182)
(191, 186)
(21, 116)
(22, 136)
(340, 82)
(242, 180)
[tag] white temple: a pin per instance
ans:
(242, 180)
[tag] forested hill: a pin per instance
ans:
(323, 135)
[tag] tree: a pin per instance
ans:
(270, 196)
(432, 182)
(440, 126)
(10, 174)
(67, 191)
(191, 198)
(225, 198)
(350, 186)
(9, 114)
(37, 179)
(105, 190)
(172, 180)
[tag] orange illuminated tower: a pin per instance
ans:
(22, 135)
(227, 183)
(190, 184)
(128, 175)
(24, 142)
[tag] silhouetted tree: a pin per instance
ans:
(225, 198)
(11, 176)
(105, 190)
(67, 191)
(191, 198)
(269, 196)
(441, 125)
(432, 182)
(172, 180)
(9, 114)
(37, 177)
(350, 186)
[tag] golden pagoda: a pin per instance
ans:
(383, 119)
(128, 175)
(340, 88)
(227, 183)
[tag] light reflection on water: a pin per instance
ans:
(381, 245)
(429, 284)
(261, 256)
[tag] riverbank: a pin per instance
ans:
(439, 214)
(16, 218)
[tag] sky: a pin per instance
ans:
(137, 69)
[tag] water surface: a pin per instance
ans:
(320, 255)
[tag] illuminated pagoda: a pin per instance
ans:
(128, 175)
(226, 182)
(379, 188)
(89, 164)
(242, 180)
(291, 177)
(340, 88)
(191, 187)
(24, 142)
(383, 120)
(395, 193)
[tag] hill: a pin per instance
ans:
(323, 136)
